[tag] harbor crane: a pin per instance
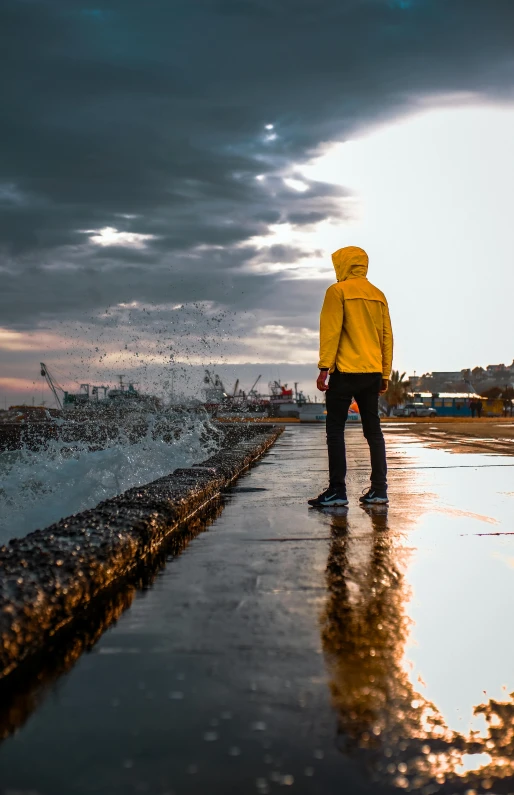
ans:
(255, 384)
(87, 391)
(52, 383)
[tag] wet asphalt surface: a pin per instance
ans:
(336, 651)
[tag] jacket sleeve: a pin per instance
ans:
(330, 327)
(387, 342)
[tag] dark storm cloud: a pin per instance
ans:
(156, 111)
(46, 293)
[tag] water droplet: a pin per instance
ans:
(262, 785)
(210, 737)
(192, 769)
(309, 771)
(234, 751)
(319, 754)
(176, 695)
(259, 726)
(288, 780)
(128, 763)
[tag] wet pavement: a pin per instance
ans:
(336, 651)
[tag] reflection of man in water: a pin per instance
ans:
(382, 722)
(364, 629)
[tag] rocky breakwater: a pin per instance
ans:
(51, 575)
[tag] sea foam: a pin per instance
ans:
(40, 487)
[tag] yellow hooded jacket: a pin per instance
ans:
(355, 327)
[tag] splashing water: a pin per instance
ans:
(40, 487)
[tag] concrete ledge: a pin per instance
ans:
(49, 575)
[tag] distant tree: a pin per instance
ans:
(507, 396)
(459, 386)
(397, 390)
(493, 392)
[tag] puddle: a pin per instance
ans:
(366, 651)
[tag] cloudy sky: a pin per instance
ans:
(174, 175)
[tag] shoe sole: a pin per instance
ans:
(375, 501)
(335, 504)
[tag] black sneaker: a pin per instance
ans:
(374, 497)
(329, 497)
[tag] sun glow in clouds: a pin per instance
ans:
(433, 210)
(444, 175)
(109, 236)
(296, 184)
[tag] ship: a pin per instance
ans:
(94, 415)
(93, 397)
(295, 404)
(224, 404)
(281, 402)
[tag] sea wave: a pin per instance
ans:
(62, 478)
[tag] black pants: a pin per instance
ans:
(364, 387)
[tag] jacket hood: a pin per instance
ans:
(350, 262)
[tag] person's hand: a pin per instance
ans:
(385, 384)
(321, 383)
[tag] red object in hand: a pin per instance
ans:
(321, 383)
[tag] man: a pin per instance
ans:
(356, 348)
